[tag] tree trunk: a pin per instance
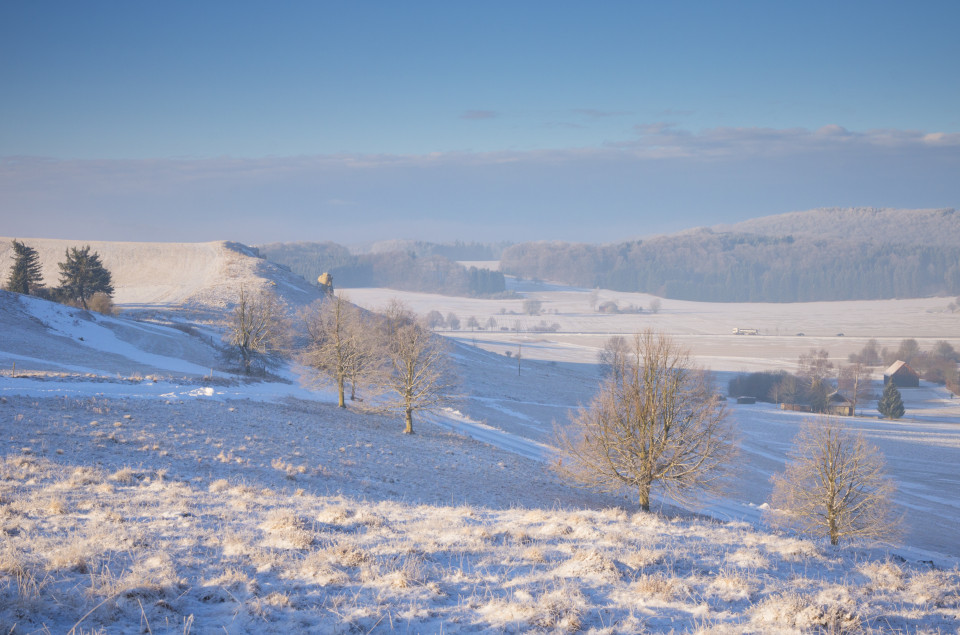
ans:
(340, 402)
(834, 530)
(644, 496)
(409, 416)
(245, 355)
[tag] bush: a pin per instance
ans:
(762, 385)
(101, 303)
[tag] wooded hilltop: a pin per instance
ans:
(403, 265)
(828, 254)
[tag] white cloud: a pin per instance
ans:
(663, 140)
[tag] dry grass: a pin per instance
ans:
(198, 546)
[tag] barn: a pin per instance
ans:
(838, 404)
(901, 375)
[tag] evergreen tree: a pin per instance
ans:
(82, 274)
(891, 404)
(25, 275)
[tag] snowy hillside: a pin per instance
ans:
(47, 337)
(176, 503)
(880, 225)
(195, 275)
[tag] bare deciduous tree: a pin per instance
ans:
(815, 369)
(341, 346)
(257, 328)
(613, 356)
(532, 307)
(435, 319)
(834, 486)
(658, 422)
(855, 381)
(419, 374)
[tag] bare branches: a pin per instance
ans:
(656, 421)
(834, 486)
(257, 328)
(342, 345)
(854, 380)
(419, 374)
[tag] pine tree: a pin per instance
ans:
(82, 274)
(891, 404)
(25, 275)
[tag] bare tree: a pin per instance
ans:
(532, 307)
(815, 369)
(655, 305)
(869, 355)
(340, 346)
(658, 422)
(419, 373)
(435, 319)
(613, 356)
(855, 381)
(834, 486)
(257, 328)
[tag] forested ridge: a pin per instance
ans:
(395, 269)
(841, 261)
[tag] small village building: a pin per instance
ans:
(838, 404)
(901, 375)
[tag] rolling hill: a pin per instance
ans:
(173, 275)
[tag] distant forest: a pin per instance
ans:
(730, 267)
(457, 250)
(428, 271)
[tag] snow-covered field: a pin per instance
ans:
(145, 489)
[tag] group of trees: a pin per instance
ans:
(435, 320)
(744, 267)
(426, 270)
(938, 365)
(84, 281)
(816, 380)
(656, 422)
(392, 357)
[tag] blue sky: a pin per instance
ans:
(353, 121)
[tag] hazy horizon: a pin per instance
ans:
(475, 122)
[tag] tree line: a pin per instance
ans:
(740, 267)
(84, 281)
(396, 269)
(388, 361)
(457, 250)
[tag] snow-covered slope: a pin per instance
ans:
(177, 506)
(46, 337)
(137, 509)
(172, 274)
(872, 224)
